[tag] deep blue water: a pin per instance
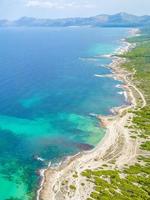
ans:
(47, 90)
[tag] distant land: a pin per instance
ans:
(117, 20)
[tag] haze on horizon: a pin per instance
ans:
(70, 8)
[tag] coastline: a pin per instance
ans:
(107, 150)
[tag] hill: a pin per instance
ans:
(117, 20)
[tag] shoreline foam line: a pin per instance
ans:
(46, 186)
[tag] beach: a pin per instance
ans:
(114, 151)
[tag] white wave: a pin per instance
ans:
(118, 86)
(126, 95)
(42, 171)
(93, 114)
(121, 93)
(106, 56)
(49, 164)
(104, 75)
(93, 59)
(40, 159)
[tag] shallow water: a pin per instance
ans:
(47, 90)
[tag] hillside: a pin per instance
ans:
(117, 20)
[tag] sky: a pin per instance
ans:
(13, 9)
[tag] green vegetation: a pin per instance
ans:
(141, 122)
(139, 60)
(109, 184)
(75, 175)
(72, 187)
(146, 146)
(131, 183)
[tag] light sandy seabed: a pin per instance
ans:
(116, 149)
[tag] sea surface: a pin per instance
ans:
(48, 89)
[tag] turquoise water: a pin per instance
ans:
(47, 91)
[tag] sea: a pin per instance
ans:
(49, 97)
